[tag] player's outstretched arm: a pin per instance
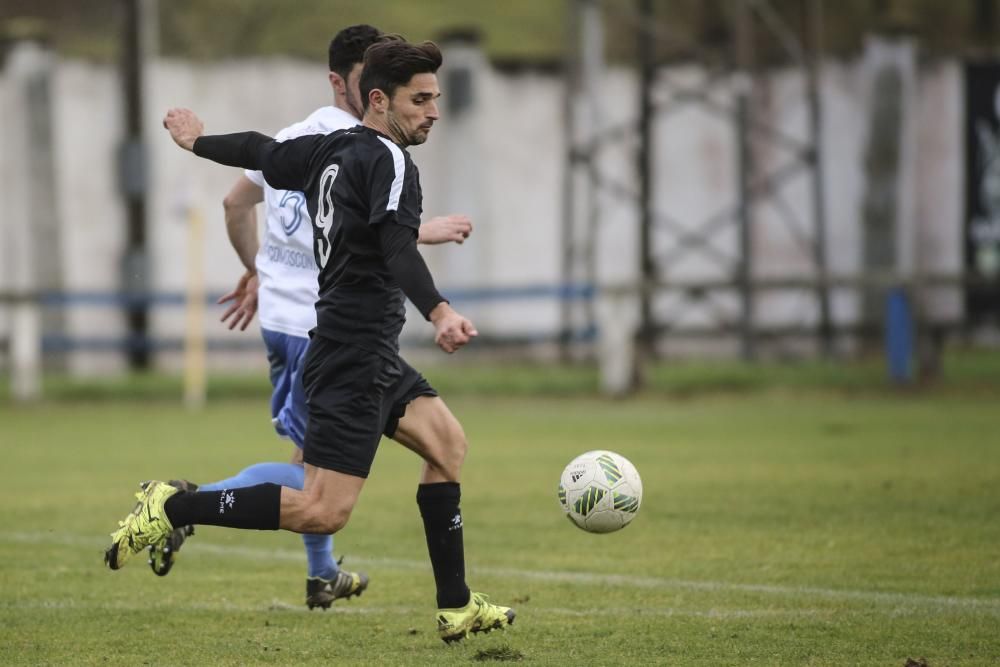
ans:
(184, 127)
(445, 229)
(285, 164)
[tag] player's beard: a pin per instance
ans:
(354, 103)
(414, 138)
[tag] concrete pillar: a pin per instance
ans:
(888, 214)
(33, 244)
(618, 319)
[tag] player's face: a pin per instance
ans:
(414, 109)
(353, 90)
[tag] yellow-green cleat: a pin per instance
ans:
(163, 555)
(477, 616)
(146, 524)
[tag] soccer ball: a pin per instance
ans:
(600, 491)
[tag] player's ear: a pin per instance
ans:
(378, 100)
(338, 84)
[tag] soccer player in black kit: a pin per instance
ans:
(364, 198)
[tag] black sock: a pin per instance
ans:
(249, 507)
(443, 527)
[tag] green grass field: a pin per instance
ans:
(779, 527)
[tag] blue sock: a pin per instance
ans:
(319, 552)
(285, 474)
(319, 548)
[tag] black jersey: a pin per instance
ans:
(356, 182)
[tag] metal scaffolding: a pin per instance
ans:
(664, 236)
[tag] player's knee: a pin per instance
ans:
(331, 520)
(453, 452)
(335, 522)
(325, 519)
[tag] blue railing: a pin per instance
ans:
(125, 299)
(57, 343)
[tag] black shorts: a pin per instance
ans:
(354, 397)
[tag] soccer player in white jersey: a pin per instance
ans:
(281, 286)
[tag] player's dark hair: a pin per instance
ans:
(392, 61)
(347, 48)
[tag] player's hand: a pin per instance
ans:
(445, 229)
(244, 302)
(184, 127)
(451, 330)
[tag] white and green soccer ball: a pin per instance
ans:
(600, 491)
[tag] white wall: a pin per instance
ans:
(511, 152)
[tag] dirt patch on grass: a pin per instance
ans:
(499, 654)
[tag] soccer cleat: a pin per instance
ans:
(146, 524)
(322, 592)
(477, 616)
(163, 555)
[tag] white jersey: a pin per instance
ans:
(286, 269)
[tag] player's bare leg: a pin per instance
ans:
(432, 431)
(321, 491)
(323, 505)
